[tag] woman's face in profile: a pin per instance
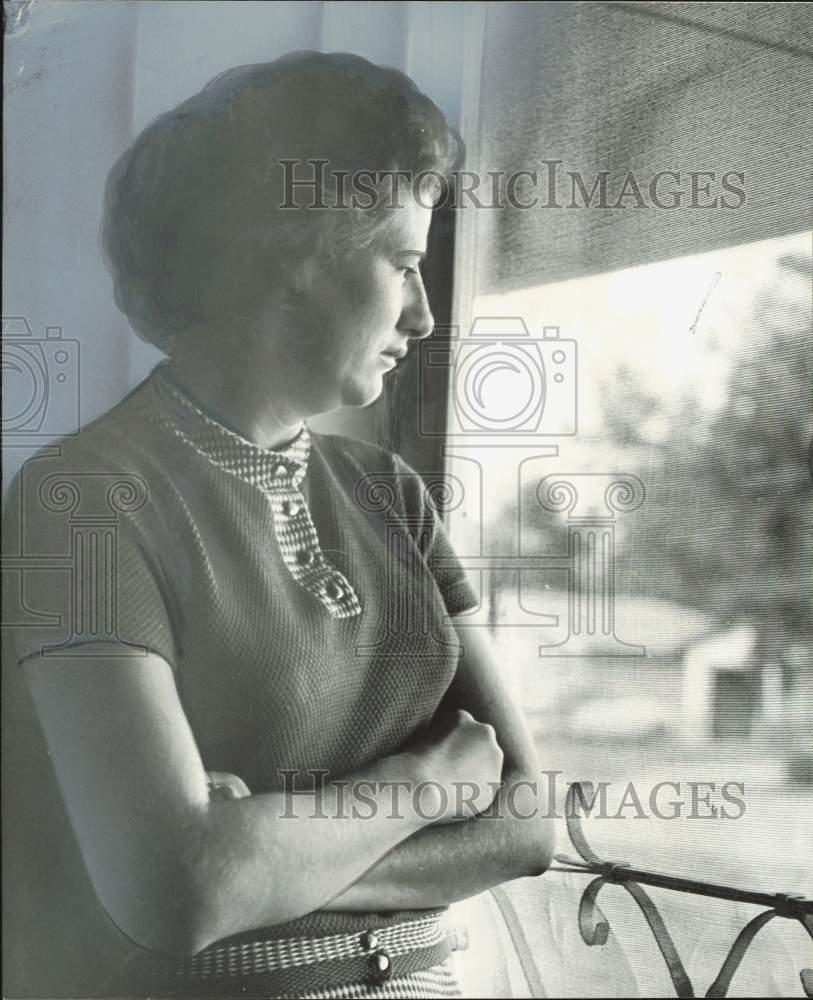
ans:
(352, 317)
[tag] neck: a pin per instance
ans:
(241, 399)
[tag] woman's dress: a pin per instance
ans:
(302, 598)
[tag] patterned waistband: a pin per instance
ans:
(294, 966)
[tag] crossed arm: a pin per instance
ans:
(444, 863)
(176, 869)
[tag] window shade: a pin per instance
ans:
(640, 89)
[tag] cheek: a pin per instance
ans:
(385, 297)
(371, 283)
(361, 304)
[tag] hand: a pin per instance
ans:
(224, 786)
(462, 759)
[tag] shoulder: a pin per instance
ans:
(123, 432)
(114, 434)
(362, 454)
(107, 462)
(366, 458)
(374, 474)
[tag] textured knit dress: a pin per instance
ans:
(302, 598)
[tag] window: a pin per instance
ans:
(704, 400)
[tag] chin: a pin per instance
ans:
(363, 392)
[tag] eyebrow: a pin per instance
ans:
(414, 253)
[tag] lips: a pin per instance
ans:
(397, 353)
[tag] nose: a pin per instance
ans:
(416, 321)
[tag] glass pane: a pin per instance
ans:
(665, 636)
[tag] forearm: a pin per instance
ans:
(269, 858)
(442, 864)
(174, 867)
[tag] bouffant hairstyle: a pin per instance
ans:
(202, 199)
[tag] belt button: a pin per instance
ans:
(460, 938)
(369, 941)
(279, 471)
(381, 965)
(290, 508)
(334, 591)
(305, 557)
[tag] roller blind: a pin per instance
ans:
(650, 131)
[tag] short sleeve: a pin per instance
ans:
(441, 558)
(78, 565)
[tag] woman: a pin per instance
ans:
(275, 782)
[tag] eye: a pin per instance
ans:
(407, 271)
(408, 263)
